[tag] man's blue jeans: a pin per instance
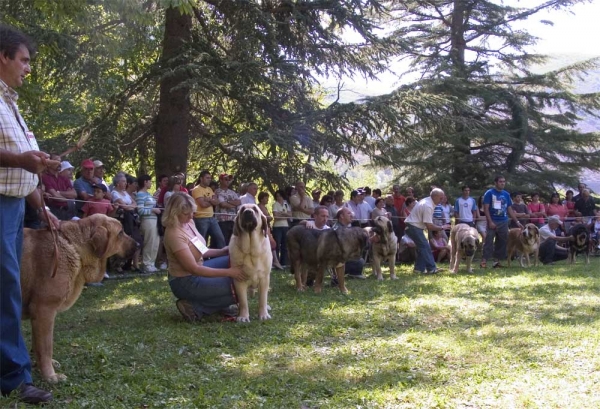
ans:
(15, 366)
(208, 226)
(425, 261)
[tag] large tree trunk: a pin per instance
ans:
(173, 120)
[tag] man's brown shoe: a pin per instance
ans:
(32, 395)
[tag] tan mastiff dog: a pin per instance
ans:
(464, 241)
(83, 248)
(524, 242)
(250, 248)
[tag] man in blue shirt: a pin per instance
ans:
(497, 206)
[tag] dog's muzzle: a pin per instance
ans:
(249, 222)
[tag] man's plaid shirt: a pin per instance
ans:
(14, 137)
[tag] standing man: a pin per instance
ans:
(250, 196)
(316, 197)
(421, 218)
(360, 209)
(204, 218)
(20, 162)
(370, 200)
(585, 206)
(465, 208)
(227, 208)
(497, 206)
(398, 199)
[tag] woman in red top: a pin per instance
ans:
(537, 209)
(556, 208)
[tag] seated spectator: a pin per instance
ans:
(550, 250)
(57, 191)
(537, 210)
(202, 287)
(84, 185)
(521, 210)
(99, 172)
(98, 204)
(439, 246)
(407, 250)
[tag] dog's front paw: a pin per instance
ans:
(470, 271)
(264, 316)
(318, 289)
(56, 378)
(301, 288)
(379, 277)
(393, 277)
(243, 318)
(343, 290)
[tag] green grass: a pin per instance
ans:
(505, 338)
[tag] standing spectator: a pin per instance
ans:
(370, 200)
(550, 251)
(481, 223)
(361, 211)
(398, 199)
(409, 205)
(250, 196)
(99, 171)
(421, 218)
(376, 194)
(173, 187)
(380, 210)
(316, 197)
(204, 218)
(520, 208)
(84, 186)
(394, 216)
(497, 206)
(537, 210)
(580, 187)
(58, 190)
(227, 208)
(556, 208)
(281, 212)
(465, 208)
(585, 206)
(66, 171)
(302, 205)
(147, 210)
(338, 197)
(98, 204)
(263, 201)
(446, 215)
(20, 162)
(162, 183)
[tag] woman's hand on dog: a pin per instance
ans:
(237, 274)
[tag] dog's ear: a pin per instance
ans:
(265, 224)
(100, 241)
(236, 226)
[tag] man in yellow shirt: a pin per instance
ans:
(204, 217)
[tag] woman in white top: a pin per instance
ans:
(126, 213)
(380, 209)
(281, 213)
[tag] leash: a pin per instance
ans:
(51, 226)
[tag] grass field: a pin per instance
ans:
(503, 338)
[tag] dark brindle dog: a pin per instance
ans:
(311, 251)
(580, 243)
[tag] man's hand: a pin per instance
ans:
(491, 226)
(48, 217)
(36, 162)
(309, 224)
(237, 274)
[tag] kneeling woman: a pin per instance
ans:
(202, 286)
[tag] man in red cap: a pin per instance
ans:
(227, 207)
(84, 186)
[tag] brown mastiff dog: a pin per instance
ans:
(524, 242)
(385, 248)
(464, 241)
(311, 251)
(83, 248)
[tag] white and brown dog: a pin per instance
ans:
(385, 248)
(524, 242)
(464, 241)
(250, 248)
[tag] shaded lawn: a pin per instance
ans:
(497, 338)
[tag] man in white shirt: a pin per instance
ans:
(360, 210)
(465, 208)
(550, 251)
(250, 196)
(421, 218)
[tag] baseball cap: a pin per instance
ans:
(65, 165)
(98, 164)
(100, 186)
(224, 176)
(87, 164)
(554, 218)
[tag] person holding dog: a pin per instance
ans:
(421, 218)
(550, 250)
(20, 163)
(202, 287)
(497, 206)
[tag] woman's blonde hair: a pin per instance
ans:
(178, 204)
